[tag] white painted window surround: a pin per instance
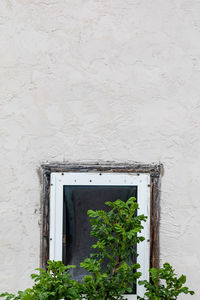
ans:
(142, 181)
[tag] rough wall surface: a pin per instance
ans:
(99, 80)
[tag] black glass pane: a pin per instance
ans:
(78, 200)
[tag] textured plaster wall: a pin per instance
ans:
(99, 80)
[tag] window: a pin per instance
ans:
(75, 190)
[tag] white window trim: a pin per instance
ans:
(142, 181)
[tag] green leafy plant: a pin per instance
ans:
(53, 283)
(117, 234)
(111, 268)
(164, 284)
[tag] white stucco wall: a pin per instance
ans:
(99, 80)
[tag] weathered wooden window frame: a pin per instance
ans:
(155, 171)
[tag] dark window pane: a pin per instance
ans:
(78, 200)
